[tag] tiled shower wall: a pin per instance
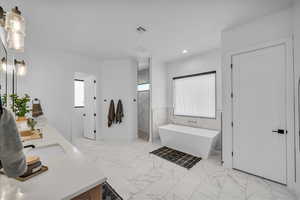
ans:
(143, 102)
(143, 111)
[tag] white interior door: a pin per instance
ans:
(259, 112)
(90, 107)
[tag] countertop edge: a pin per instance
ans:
(83, 190)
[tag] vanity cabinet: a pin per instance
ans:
(93, 194)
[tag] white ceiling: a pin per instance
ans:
(106, 28)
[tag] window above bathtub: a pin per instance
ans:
(195, 95)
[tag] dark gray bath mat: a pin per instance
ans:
(183, 159)
(109, 193)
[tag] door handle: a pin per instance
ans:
(279, 131)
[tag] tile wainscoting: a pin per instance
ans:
(159, 118)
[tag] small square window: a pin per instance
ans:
(143, 87)
(78, 93)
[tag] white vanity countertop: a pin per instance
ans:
(69, 174)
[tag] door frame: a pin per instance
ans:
(94, 87)
(290, 103)
(235, 105)
(150, 104)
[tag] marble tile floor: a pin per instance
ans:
(137, 175)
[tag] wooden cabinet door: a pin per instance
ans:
(93, 194)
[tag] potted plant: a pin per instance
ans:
(20, 106)
(4, 100)
(31, 123)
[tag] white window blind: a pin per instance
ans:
(78, 93)
(195, 95)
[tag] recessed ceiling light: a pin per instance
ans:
(184, 51)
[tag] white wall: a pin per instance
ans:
(50, 78)
(77, 115)
(269, 28)
(158, 76)
(210, 61)
(297, 76)
(118, 80)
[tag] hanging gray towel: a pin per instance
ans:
(111, 113)
(120, 112)
(11, 149)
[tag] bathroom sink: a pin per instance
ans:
(47, 151)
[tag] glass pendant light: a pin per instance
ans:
(21, 68)
(15, 28)
(15, 41)
(6, 67)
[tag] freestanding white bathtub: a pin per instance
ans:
(194, 141)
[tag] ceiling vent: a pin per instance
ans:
(141, 29)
